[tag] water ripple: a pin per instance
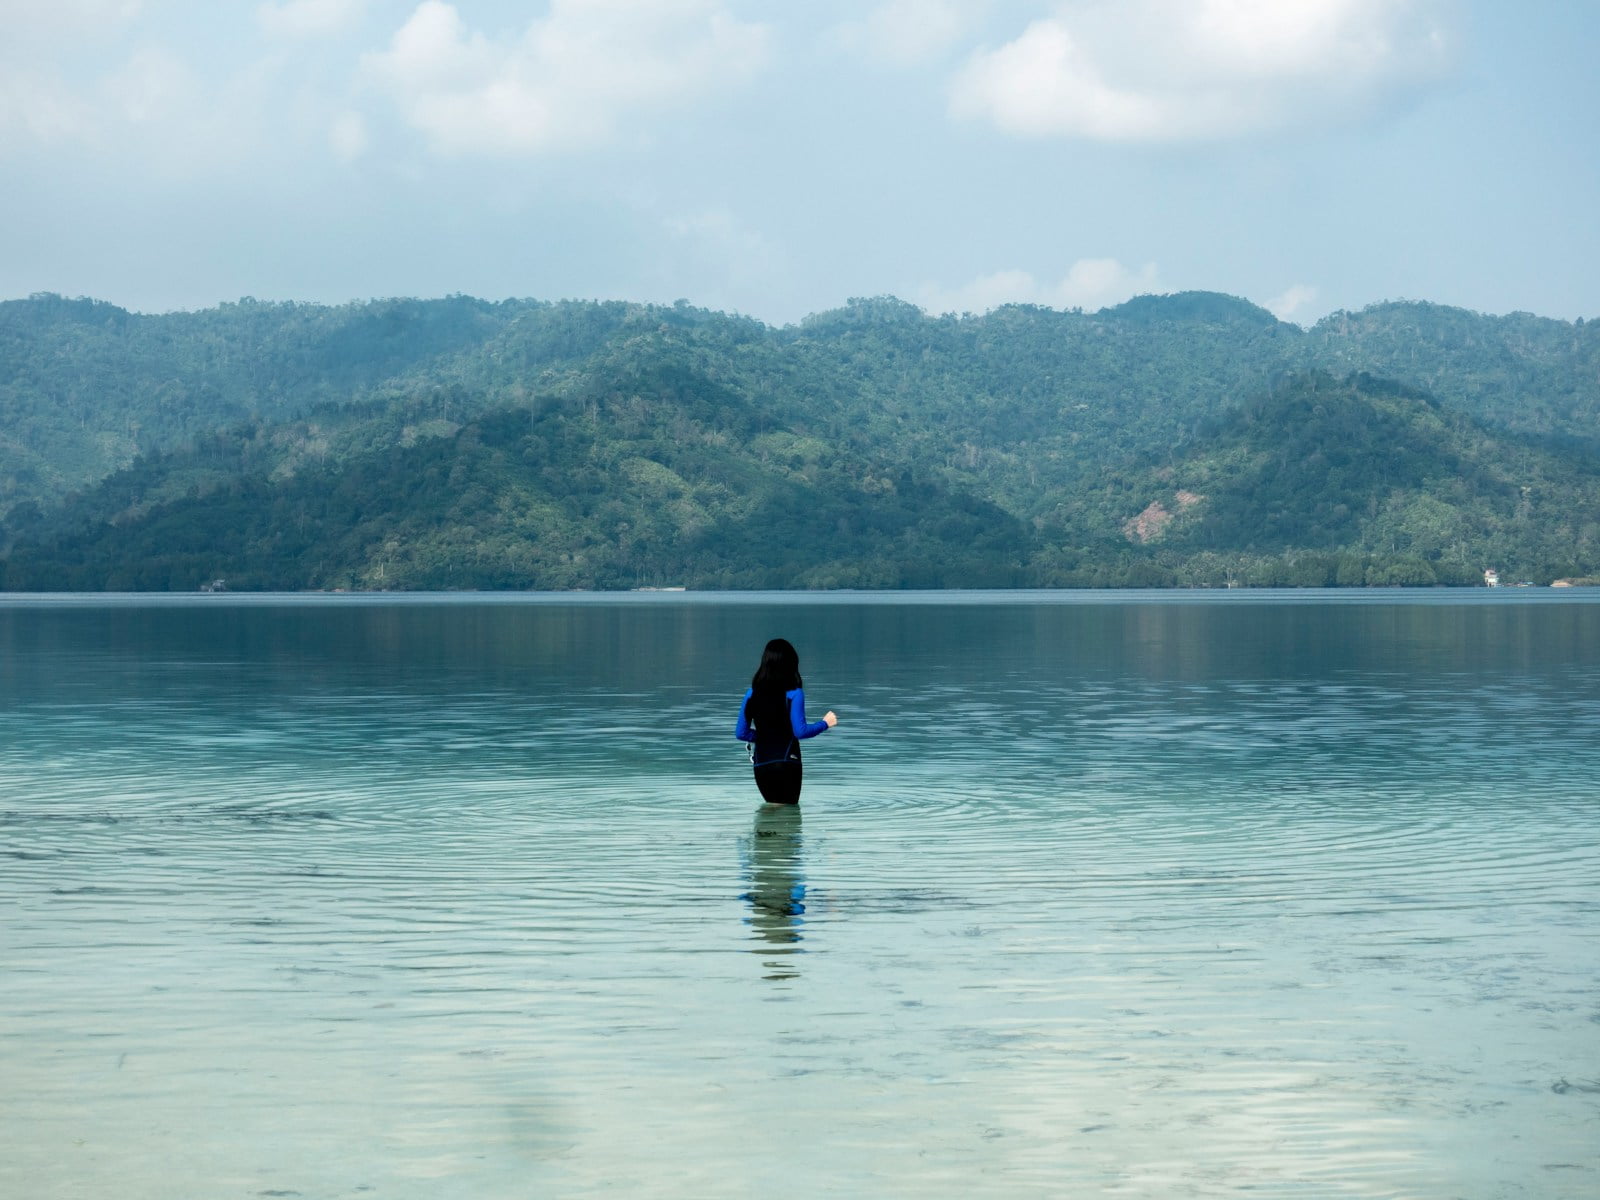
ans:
(1147, 926)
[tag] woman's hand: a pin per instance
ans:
(831, 717)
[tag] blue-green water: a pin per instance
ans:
(1122, 895)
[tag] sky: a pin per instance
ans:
(778, 157)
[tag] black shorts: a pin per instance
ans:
(779, 782)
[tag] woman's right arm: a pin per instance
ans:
(741, 729)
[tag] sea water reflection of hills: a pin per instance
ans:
(1092, 895)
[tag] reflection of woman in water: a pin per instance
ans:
(777, 894)
(773, 720)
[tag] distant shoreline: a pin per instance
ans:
(912, 597)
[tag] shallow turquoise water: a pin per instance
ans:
(1134, 895)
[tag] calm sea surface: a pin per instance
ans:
(1135, 895)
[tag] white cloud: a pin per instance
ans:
(905, 32)
(347, 136)
(1295, 298)
(1181, 70)
(125, 94)
(34, 21)
(39, 101)
(719, 229)
(732, 263)
(1091, 283)
(38, 107)
(151, 85)
(574, 77)
(309, 18)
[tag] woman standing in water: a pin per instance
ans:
(773, 720)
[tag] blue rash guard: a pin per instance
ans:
(777, 749)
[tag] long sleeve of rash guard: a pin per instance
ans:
(801, 728)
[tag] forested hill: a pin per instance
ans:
(1324, 482)
(459, 443)
(1518, 372)
(86, 386)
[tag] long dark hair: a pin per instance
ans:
(779, 669)
(778, 674)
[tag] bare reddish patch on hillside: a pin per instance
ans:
(1150, 524)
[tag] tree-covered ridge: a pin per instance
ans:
(85, 386)
(672, 478)
(459, 443)
(1367, 481)
(1520, 372)
(1020, 400)
(664, 480)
